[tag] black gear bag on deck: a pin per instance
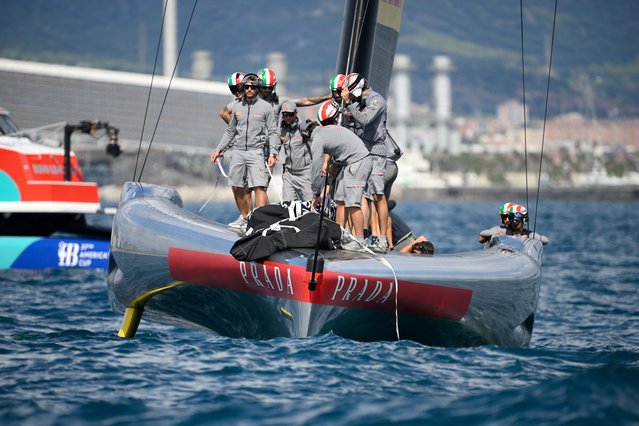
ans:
(300, 232)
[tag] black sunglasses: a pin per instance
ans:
(288, 114)
(235, 89)
(250, 88)
(338, 91)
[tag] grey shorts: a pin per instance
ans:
(351, 182)
(248, 170)
(297, 186)
(389, 177)
(376, 180)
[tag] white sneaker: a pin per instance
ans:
(378, 246)
(352, 245)
(239, 223)
(349, 242)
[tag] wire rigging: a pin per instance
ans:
(543, 133)
(148, 99)
(168, 88)
(523, 84)
(523, 80)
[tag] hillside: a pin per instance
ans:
(595, 59)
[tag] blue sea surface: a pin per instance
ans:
(61, 362)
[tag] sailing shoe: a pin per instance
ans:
(378, 245)
(239, 223)
(350, 242)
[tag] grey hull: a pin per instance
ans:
(175, 266)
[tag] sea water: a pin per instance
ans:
(61, 362)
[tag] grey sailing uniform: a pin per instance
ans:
(533, 235)
(393, 153)
(229, 150)
(253, 133)
(346, 150)
(296, 170)
(495, 230)
(370, 126)
(276, 102)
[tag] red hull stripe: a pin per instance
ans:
(337, 289)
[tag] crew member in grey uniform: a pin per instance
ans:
(253, 122)
(516, 228)
(368, 109)
(267, 92)
(296, 170)
(487, 234)
(346, 150)
(235, 86)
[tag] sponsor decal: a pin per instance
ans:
(337, 289)
(83, 255)
(58, 253)
(47, 169)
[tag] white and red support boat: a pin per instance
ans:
(44, 201)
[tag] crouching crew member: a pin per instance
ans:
(347, 151)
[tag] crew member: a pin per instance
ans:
(346, 150)
(253, 122)
(368, 109)
(296, 170)
(268, 93)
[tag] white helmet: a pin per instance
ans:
(327, 112)
(356, 83)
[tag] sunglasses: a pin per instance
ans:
(288, 114)
(250, 88)
(337, 91)
(268, 87)
(235, 89)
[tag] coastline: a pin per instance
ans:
(110, 194)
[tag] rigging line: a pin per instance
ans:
(523, 84)
(270, 174)
(217, 179)
(356, 34)
(351, 42)
(168, 88)
(148, 99)
(386, 263)
(543, 133)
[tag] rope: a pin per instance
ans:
(219, 165)
(217, 179)
(278, 190)
(166, 93)
(389, 266)
(543, 134)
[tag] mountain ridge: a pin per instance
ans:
(595, 53)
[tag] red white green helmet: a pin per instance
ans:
(505, 209)
(518, 208)
(234, 81)
(268, 77)
(337, 82)
(518, 212)
(356, 83)
(326, 112)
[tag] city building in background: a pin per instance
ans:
(441, 150)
